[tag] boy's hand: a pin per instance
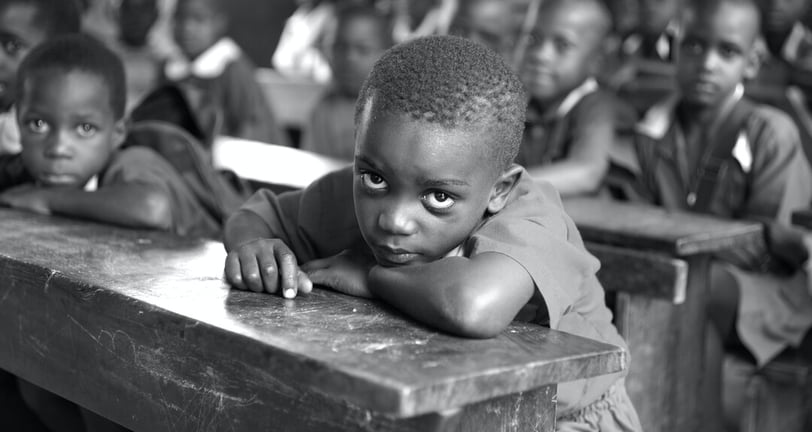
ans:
(27, 197)
(346, 272)
(266, 265)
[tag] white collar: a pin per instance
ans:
(658, 118)
(791, 47)
(92, 185)
(210, 64)
(575, 96)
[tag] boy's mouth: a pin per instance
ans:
(393, 257)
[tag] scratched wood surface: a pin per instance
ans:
(645, 227)
(140, 327)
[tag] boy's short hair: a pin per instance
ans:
(452, 82)
(218, 6)
(702, 7)
(56, 17)
(78, 52)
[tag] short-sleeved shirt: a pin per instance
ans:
(577, 126)
(331, 131)
(141, 165)
(222, 80)
(766, 177)
(533, 229)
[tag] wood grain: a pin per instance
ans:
(139, 327)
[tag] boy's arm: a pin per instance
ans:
(132, 205)
(472, 297)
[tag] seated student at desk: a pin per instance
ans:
(71, 101)
(571, 120)
(444, 226)
(713, 151)
(217, 77)
(362, 35)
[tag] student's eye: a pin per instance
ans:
(728, 52)
(438, 200)
(373, 181)
(86, 129)
(562, 45)
(12, 46)
(38, 126)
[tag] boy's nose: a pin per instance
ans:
(543, 51)
(58, 147)
(710, 60)
(397, 221)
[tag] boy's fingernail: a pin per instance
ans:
(289, 293)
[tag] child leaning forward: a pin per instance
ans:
(436, 220)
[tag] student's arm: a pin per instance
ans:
(132, 205)
(587, 162)
(476, 297)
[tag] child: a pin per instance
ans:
(444, 227)
(23, 25)
(217, 76)
(711, 151)
(362, 35)
(571, 120)
(71, 118)
(493, 23)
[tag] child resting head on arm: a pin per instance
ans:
(434, 218)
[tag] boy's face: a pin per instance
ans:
(419, 189)
(717, 53)
(67, 127)
(655, 15)
(19, 33)
(562, 52)
(357, 46)
(493, 23)
(782, 14)
(136, 18)
(197, 26)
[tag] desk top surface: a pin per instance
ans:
(648, 227)
(352, 349)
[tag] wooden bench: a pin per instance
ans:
(666, 338)
(140, 328)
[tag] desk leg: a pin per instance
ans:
(667, 345)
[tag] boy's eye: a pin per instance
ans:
(728, 52)
(562, 45)
(86, 130)
(38, 126)
(373, 181)
(438, 200)
(12, 46)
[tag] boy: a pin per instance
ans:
(444, 227)
(71, 116)
(362, 35)
(711, 151)
(571, 121)
(216, 76)
(23, 25)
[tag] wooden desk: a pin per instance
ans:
(666, 335)
(140, 328)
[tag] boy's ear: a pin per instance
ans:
(754, 60)
(502, 188)
(119, 132)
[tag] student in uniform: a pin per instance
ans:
(571, 120)
(710, 150)
(435, 219)
(217, 78)
(362, 35)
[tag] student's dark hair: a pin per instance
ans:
(704, 7)
(55, 17)
(218, 6)
(82, 53)
(451, 82)
(383, 20)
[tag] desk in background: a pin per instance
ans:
(666, 338)
(139, 327)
